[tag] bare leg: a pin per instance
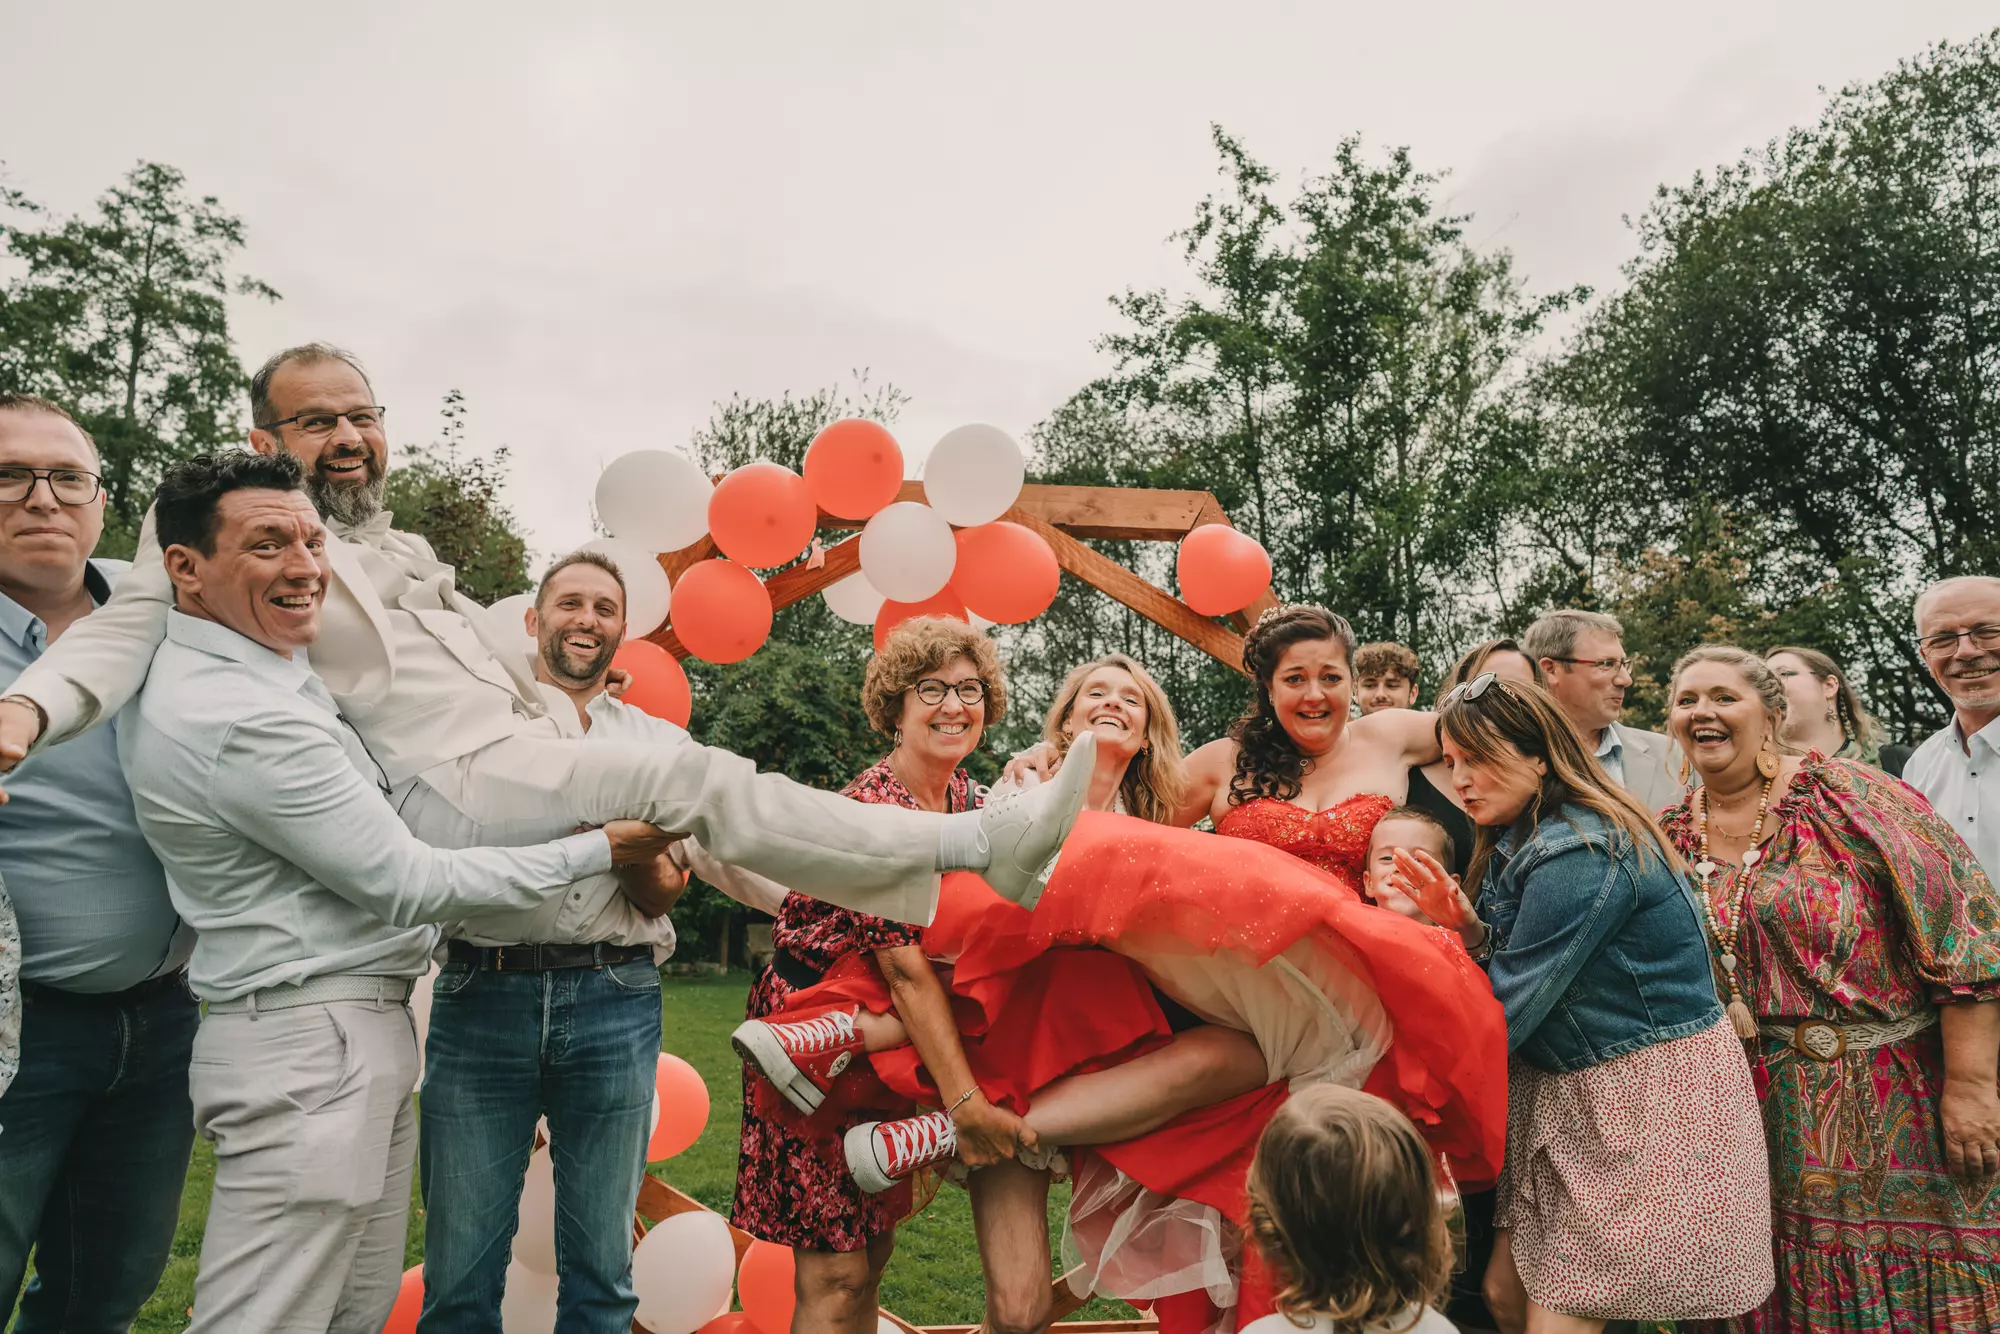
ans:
(840, 1292)
(1010, 1223)
(879, 1032)
(1505, 1297)
(1204, 1065)
(1541, 1320)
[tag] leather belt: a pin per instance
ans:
(1824, 1040)
(541, 958)
(324, 990)
(174, 982)
(795, 972)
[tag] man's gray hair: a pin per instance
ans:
(596, 558)
(308, 353)
(1554, 634)
(1951, 585)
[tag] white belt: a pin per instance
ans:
(1824, 1040)
(318, 991)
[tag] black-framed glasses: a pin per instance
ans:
(1946, 641)
(319, 425)
(1599, 664)
(971, 691)
(70, 486)
(1469, 691)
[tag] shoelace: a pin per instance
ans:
(826, 1031)
(918, 1140)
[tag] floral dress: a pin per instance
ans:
(1867, 909)
(792, 1182)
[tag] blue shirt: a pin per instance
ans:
(92, 900)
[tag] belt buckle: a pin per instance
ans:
(1821, 1039)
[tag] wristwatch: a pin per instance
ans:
(41, 714)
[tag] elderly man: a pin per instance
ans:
(551, 1012)
(445, 701)
(1582, 654)
(312, 905)
(95, 1132)
(1958, 634)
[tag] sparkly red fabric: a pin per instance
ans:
(1335, 839)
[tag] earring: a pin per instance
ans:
(1829, 713)
(898, 738)
(1767, 761)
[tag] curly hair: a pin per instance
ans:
(916, 649)
(1268, 764)
(1156, 780)
(1344, 1209)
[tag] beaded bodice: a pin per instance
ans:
(1335, 839)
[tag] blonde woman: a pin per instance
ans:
(1823, 712)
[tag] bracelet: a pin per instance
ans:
(961, 1100)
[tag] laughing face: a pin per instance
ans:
(347, 469)
(578, 625)
(946, 732)
(268, 573)
(1719, 720)
(1311, 692)
(1965, 670)
(1111, 704)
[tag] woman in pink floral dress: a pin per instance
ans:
(1859, 941)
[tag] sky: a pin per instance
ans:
(597, 220)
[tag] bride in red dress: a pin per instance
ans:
(1244, 967)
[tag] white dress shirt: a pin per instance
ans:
(1961, 779)
(280, 846)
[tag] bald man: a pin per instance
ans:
(1958, 633)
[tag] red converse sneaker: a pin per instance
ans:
(881, 1153)
(801, 1057)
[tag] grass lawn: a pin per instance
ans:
(934, 1278)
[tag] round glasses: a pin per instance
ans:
(931, 690)
(70, 486)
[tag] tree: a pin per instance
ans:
(453, 500)
(123, 318)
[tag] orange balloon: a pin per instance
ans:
(854, 468)
(894, 614)
(764, 1286)
(721, 611)
(1221, 569)
(1005, 572)
(683, 1108)
(409, 1303)
(762, 515)
(734, 1323)
(659, 685)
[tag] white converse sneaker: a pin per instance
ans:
(882, 1153)
(801, 1057)
(1023, 831)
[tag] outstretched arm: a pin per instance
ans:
(1406, 730)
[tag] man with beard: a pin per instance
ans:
(1958, 633)
(553, 1011)
(447, 704)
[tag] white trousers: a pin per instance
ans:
(880, 860)
(315, 1143)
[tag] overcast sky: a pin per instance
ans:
(599, 219)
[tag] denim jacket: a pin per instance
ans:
(1594, 954)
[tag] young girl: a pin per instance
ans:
(1344, 1210)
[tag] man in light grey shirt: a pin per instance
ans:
(312, 902)
(1958, 769)
(1582, 656)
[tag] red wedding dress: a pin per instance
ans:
(1263, 931)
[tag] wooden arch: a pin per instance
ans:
(1062, 515)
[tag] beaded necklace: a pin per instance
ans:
(1740, 1017)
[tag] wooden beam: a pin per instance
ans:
(793, 584)
(1155, 604)
(1125, 513)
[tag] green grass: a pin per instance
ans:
(934, 1278)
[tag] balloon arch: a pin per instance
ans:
(1061, 516)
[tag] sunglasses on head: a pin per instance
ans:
(1469, 691)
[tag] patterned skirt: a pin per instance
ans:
(1637, 1189)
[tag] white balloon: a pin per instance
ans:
(528, 1306)
(980, 623)
(648, 594)
(854, 599)
(682, 1272)
(974, 474)
(907, 551)
(535, 1235)
(884, 1325)
(653, 1124)
(511, 615)
(420, 1012)
(654, 498)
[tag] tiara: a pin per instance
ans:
(1286, 609)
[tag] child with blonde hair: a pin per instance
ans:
(1344, 1209)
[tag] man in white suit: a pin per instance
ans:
(447, 702)
(1582, 653)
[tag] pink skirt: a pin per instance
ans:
(1639, 1189)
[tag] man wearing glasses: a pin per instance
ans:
(1582, 654)
(95, 1131)
(1958, 634)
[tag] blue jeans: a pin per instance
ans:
(578, 1045)
(94, 1141)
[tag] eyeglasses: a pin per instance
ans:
(319, 425)
(1938, 645)
(1471, 690)
(931, 690)
(1604, 665)
(70, 486)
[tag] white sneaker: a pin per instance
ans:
(1024, 830)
